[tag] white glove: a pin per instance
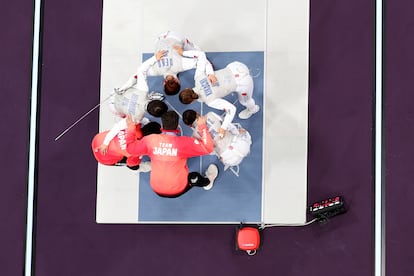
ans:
(119, 91)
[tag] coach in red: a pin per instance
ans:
(115, 150)
(169, 153)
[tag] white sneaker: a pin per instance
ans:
(211, 174)
(247, 113)
(145, 166)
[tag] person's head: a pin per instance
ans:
(189, 116)
(170, 120)
(171, 85)
(156, 108)
(187, 96)
(151, 128)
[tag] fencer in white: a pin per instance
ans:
(133, 102)
(139, 79)
(211, 90)
(174, 61)
(154, 107)
(132, 97)
(179, 55)
(168, 39)
(245, 86)
(230, 149)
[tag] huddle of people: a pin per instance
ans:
(135, 136)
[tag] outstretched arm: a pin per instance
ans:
(228, 108)
(140, 78)
(103, 148)
(191, 147)
(134, 147)
(203, 67)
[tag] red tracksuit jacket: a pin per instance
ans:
(116, 148)
(168, 153)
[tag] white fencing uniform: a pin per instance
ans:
(172, 63)
(235, 77)
(234, 146)
(132, 97)
(132, 102)
(170, 38)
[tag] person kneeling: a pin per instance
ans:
(169, 153)
(113, 152)
(230, 149)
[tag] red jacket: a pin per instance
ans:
(116, 148)
(168, 153)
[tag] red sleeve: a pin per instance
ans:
(133, 160)
(135, 147)
(206, 137)
(195, 147)
(132, 134)
(138, 131)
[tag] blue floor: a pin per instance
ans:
(233, 198)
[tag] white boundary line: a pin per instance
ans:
(262, 214)
(379, 227)
(32, 142)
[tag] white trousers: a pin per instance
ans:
(244, 83)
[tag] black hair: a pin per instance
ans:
(151, 128)
(170, 120)
(189, 116)
(156, 108)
